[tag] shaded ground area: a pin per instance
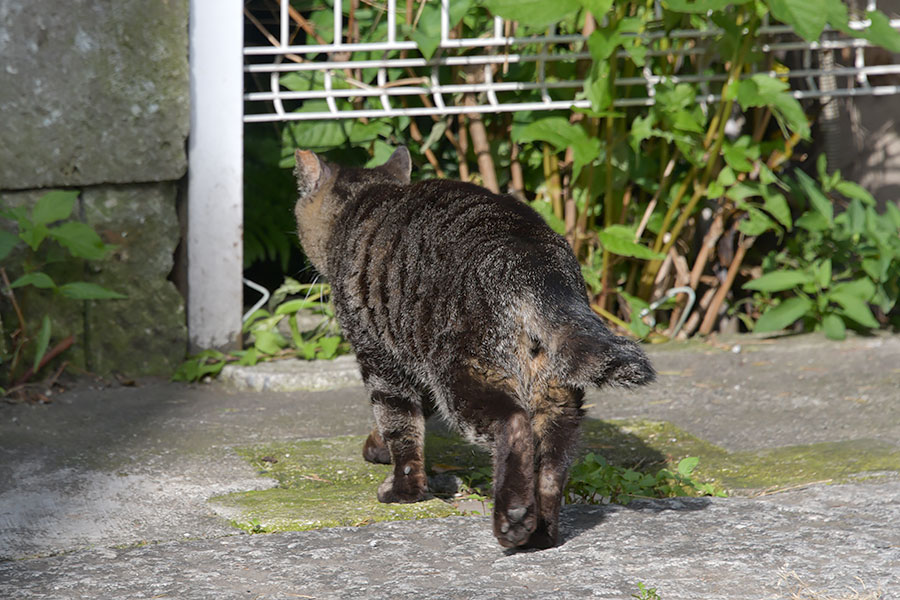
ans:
(106, 492)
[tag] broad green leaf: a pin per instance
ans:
(783, 315)
(687, 465)
(83, 290)
(37, 279)
(32, 234)
(697, 6)
(53, 206)
(854, 190)
(757, 223)
(546, 211)
(778, 281)
(42, 342)
(715, 190)
(597, 86)
(881, 33)
(741, 191)
(381, 151)
(777, 206)
(856, 217)
(532, 12)
(598, 8)
(636, 306)
(328, 347)
(855, 308)
(823, 273)
(807, 17)
(292, 306)
(736, 157)
(759, 90)
(362, 133)
(248, 357)
(303, 81)
(812, 221)
(726, 177)
(893, 214)
(268, 341)
(427, 34)
(816, 198)
(788, 112)
(255, 316)
(837, 16)
(619, 240)
(603, 42)
(877, 268)
(862, 288)
(80, 239)
(8, 241)
(834, 327)
(319, 135)
(308, 349)
(561, 134)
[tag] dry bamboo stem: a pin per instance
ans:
(709, 319)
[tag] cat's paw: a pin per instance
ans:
(410, 487)
(375, 450)
(514, 524)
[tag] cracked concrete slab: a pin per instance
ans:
(104, 493)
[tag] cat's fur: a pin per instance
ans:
(465, 301)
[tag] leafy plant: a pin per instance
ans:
(49, 220)
(593, 480)
(676, 194)
(834, 266)
(277, 333)
(646, 593)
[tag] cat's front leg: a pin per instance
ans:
(401, 424)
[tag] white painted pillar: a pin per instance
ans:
(215, 174)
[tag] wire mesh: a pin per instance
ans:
(328, 76)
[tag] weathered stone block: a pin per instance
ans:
(93, 91)
(145, 333)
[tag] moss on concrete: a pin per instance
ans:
(649, 445)
(321, 483)
(326, 483)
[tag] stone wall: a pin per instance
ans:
(94, 96)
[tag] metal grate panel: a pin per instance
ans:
(402, 71)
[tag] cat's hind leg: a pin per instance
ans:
(515, 509)
(401, 425)
(375, 450)
(555, 421)
(486, 409)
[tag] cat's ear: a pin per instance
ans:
(311, 172)
(399, 164)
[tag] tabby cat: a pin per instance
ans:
(462, 301)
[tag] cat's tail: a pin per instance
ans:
(588, 353)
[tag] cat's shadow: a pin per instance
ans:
(578, 519)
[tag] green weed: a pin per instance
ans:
(592, 480)
(645, 593)
(267, 339)
(48, 235)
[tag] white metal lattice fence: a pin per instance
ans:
(403, 71)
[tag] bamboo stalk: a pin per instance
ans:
(709, 242)
(709, 319)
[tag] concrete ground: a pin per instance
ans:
(104, 493)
